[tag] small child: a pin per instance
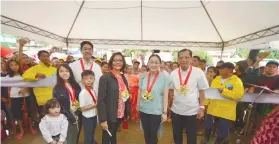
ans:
(88, 103)
(54, 125)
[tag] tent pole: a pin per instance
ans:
(67, 44)
(141, 25)
(75, 19)
(223, 45)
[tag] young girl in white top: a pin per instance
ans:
(54, 125)
(19, 98)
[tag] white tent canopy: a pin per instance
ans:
(144, 24)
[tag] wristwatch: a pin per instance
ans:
(165, 113)
(202, 107)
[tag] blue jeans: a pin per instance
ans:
(89, 126)
(223, 126)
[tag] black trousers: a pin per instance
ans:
(112, 127)
(181, 121)
(150, 125)
(89, 126)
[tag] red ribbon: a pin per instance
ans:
(82, 65)
(91, 94)
(187, 77)
(71, 93)
(149, 88)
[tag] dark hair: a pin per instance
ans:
(72, 80)
(197, 57)
(10, 71)
(84, 43)
(184, 50)
(104, 63)
(155, 55)
(215, 70)
(174, 63)
(41, 52)
(111, 60)
(87, 73)
(221, 61)
(52, 103)
(203, 60)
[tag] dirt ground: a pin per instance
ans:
(133, 135)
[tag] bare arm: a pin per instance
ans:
(89, 107)
(201, 97)
(166, 97)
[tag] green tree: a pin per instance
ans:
(242, 52)
(204, 55)
(273, 55)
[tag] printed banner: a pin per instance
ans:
(209, 93)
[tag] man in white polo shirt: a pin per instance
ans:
(86, 63)
(189, 83)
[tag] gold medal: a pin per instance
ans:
(125, 94)
(183, 90)
(147, 96)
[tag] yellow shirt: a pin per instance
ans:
(226, 108)
(42, 94)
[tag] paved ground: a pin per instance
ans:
(131, 136)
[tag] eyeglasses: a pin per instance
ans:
(118, 61)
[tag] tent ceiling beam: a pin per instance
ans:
(253, 36)
(150, 43)
(26, 27)
(250, 37)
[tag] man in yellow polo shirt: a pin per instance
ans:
(41, 71)
(230, 87)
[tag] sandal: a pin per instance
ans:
(19, 136)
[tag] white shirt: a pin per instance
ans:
(189, 104)
(85, 99)
(53, 126)
(14, 93)
(77, 70)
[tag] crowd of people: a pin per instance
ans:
(91, 91)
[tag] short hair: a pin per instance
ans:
(84, 43)
(184, 50)
(52, 103)
(175, 63)
(87, 73)
(104, 63)
(197, 57)
(203, 60)
(155, 55)
(41, 52)
(111, 61)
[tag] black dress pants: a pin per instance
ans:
(182, 121)
(150, 125)
(112, 127)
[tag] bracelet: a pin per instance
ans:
(165, 113)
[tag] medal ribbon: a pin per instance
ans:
(71, 93)
(91, 94)
(187, 77)
(121, 84)
(82, 65)
(149, 88)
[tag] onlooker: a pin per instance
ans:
(195, 61)
(202, 64)
(41, 71)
